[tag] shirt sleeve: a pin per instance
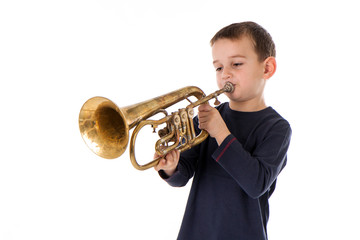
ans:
(256, 172)
(184, 171)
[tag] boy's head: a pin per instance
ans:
(244, 54)
(261, 39)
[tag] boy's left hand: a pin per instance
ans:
(211, 121)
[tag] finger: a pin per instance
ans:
(177, 152)
(168, 158)
(204, 107)
(171, 157)
(176, 155)
(203, 120)
(156, 155)
(203, 115)
(157, 168)
(203, 125)
(160, 165)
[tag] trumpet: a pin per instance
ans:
(105, 127)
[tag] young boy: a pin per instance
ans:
(235, 169)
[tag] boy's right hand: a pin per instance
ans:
(169, 163)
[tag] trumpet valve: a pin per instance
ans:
(190, 113)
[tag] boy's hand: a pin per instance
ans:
(169, 163)
(211, 121)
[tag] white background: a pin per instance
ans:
(54, 55)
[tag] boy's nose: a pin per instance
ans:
(226, 74)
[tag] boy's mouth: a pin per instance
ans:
(229, 87)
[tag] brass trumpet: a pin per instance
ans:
(105, 127)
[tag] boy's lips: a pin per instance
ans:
(229, 87)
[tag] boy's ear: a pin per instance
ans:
(269, 67)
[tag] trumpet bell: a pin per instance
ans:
(103, 127)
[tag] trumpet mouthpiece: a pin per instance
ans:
(229, 87)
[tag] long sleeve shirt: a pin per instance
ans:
(233, 182)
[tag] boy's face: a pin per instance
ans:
(236, 61)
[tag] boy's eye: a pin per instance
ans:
(218, 69)
(237, 64)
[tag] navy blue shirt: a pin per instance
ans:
(233, 182)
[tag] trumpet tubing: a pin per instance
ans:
(105, 127)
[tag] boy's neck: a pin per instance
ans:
(248, 106)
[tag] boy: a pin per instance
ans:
(235, 169)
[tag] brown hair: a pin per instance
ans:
(263, 43)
